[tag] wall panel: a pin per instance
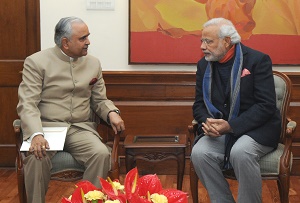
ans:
(150, 103)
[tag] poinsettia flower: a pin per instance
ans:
(175, 196)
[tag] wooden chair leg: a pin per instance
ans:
(21, 187)
(283, 187)
(113, 174)
(194, 183)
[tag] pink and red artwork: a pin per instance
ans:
(169, 31)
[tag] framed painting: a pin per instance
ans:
(169, 31)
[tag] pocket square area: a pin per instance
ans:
(245, 72)
(93, 81)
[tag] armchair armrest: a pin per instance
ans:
(19, 141)
(192, 128)
(287, 152)
(17, 125)
(291, 126)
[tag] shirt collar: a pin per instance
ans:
(71, 59)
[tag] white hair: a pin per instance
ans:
(64, 29)
(227, 29)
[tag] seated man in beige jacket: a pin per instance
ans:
(60, 86)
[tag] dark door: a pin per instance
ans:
(19, 37)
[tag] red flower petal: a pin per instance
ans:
(131, 186)
(175, 196)
(76, 196)
(137, 199)
(86, 186)
(109, 191)
(107, 188)
(149, 183)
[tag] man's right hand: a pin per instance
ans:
(216, 127)
(116, 122)
(38, 146)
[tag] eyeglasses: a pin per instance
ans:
(207, 42)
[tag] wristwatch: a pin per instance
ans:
(115, 110)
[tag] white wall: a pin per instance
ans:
(109, 34)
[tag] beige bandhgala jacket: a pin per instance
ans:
(56, 91)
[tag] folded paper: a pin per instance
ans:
(54, 135)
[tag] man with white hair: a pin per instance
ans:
(235, 107)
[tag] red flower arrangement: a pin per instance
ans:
(145, 189)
